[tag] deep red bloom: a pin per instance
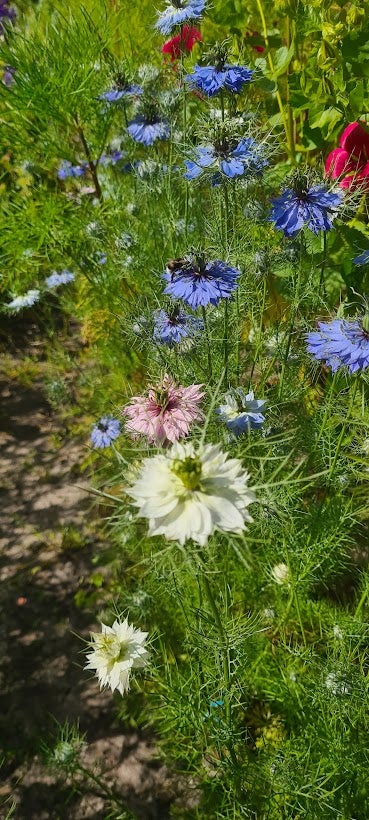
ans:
(351, 160)
(248, 34)
(184, 41)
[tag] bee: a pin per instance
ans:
(175, 265)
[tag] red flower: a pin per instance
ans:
(184, 41)
(351, 160)
(248, 34)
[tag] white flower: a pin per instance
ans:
(337, 684)
(337, 632)
(115, 651)
(189, 494)
(27, 300)
(280, 573)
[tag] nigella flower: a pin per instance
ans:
(148, 130)
(182, 42)
(188, 493)
(8, 76)
(200, 283)
(211, 79)
(173, 327)
(66, 169)
(119, 90)
(57, 279)
(115, 652)
(178, 12)
(166, 412)
(341, 343)
(105, 432)
(245, 157)
(363, 259)
(241, 411)
(19, 302)
(315, 207)
(7, 12)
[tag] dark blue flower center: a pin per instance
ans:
(103, 427)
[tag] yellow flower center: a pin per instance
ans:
(189, 472)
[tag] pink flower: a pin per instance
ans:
(351, 160)
(165, 413)
(184, 41)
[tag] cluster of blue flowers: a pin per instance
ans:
(66, 169)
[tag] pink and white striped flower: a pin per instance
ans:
(165, 413)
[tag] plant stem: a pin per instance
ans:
(324, 262)
(205, 320)
(92, 165)
(344, 428)
(290, 146)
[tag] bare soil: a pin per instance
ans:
(42, 679)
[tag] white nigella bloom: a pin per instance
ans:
(280, 573)
(188, 493)
(27, 300)
(115, 651)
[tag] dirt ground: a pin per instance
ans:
(41, 665)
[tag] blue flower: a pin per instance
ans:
(199, 283)
(210, 80)
(245, 158)
(171, 328)
(105, 431)
(112, 158)
(240, 411)
(341, 343)
(315, 208)
(66, 169)
(57, 279)
(116, 93)
(6, 13)
(363, 259)
(147, 131)
(178, 12)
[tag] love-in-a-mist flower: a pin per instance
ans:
(57, 279)
(8, 76)
(105, 432)
(115, 651)
(178, 12)
(7, 14)
(314, 206)
(200, 283)
(363, 259)
(240, 411)
(233, 159)
(166, 412)
(350, 162)
(149, 128)
(27, 300)
(190, 492)
(180, 43)
(121, 88)
(341, 343)
(173, 327)
(211, 79)
(66, 169)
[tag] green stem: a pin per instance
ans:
(272, 70)
(205, 320)
(324, 262)
(343, 431)
(225, 656)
